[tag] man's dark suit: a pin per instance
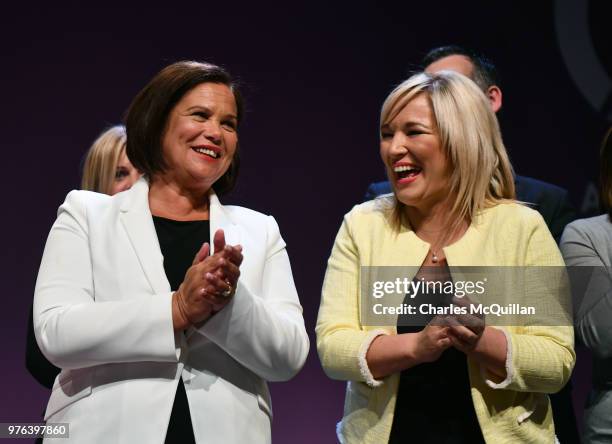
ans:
(550, 200)
(553, 204)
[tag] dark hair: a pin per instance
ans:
(605, 173)
(485, 74)
(147, 116)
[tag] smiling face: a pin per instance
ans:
(201, 136)
(411, 151)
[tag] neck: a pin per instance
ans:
(168, 199)
(433, 224)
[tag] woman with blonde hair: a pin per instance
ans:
(107, 168)
(451, 378)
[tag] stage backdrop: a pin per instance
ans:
(314, 78)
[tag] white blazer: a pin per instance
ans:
(102, 312)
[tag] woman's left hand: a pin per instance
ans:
(465, 330)
(221, 282)
(470, 334)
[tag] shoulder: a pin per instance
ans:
(370, 221)
(246, 216)
(528, 187)
(513, 222)
(591, 223)
(512, 214)
(82, 201)
(256, 224)
(598, 226)
(378, 188)
(375, 211)
(256, 227)
(519, 232)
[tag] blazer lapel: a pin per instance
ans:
(221, 219)
(138, 223)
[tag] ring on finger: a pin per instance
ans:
(227, 293)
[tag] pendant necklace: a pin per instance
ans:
(434, 257)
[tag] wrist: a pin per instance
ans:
(482, 346)
(180, 320)
(411, 341)
(491, 352)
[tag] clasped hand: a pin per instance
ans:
(209, 284)
(462, 331)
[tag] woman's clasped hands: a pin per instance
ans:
(209, 284)
(462, 331)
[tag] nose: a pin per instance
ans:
(398, 145)
(212, 131)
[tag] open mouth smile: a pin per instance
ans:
(211, 152)
(406, 173)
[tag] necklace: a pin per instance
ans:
(434, 257)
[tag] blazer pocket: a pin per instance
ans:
(67, 390)
(535, 410)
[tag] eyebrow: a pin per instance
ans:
(205, 108)
(414, 123)
(408, 124)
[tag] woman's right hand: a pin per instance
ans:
(390, 354)
(432, 341)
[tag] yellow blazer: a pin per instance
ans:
(539, 359)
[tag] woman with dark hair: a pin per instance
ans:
(588, 243)
(166, 310)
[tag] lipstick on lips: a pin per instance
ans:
(208, 152)
(406, 172)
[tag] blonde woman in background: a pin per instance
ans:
(452, 205)
(107, 168)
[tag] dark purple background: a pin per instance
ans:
(315, 77)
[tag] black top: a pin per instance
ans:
(434, 403)
(179, 242)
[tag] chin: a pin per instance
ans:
(408, 199)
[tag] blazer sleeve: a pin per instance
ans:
(36, 363)
(264, 332)
(592, 290)
(540, 358)
(75, 331)
(341, 342)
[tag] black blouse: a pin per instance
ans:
(434, 402)
(179, 242)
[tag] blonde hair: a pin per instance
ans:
(102, 158)
(469, 136)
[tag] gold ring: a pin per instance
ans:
(227, 293)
